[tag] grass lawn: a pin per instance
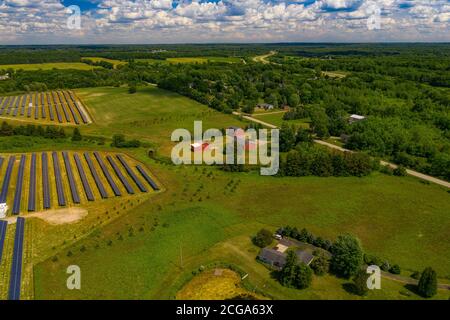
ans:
(150, 114)
(207, 216)
(48, 66)
(276, 118)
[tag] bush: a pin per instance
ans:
(360, 283)
(263, 238)
(320, 265)
(400, 172)
(427, 286)
(385, 266)
(415, 275)
(395, 269)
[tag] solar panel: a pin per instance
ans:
(3, 227)
(50, 107)
(131, 173)
(72, 111)
(16, 268)
(72, 183)
(19, 185)
(58, 180)
(32, 187)
(94, 173)
(147, 178)
(107, 174)
(45, 182)
(84, 180)
(119, 174)
(55, 103)
(5, 103)
(64, 107)
(7, 179)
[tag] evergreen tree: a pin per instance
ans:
(427, 286)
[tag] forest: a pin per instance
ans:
(401, 89)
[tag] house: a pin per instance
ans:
(265, 106)
(4, 77)
(355, 118)
(276, 257)
(199, 146)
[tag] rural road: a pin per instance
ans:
(407, 280)
(332, 146)
(263, 58)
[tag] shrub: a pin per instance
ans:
(427, 286)
(395, 269)
(400, 171)
(320, 265)
(360, 283)
(385, 266)
(263, 238)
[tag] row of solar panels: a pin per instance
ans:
(72, 179)
(16, 267)
(54, 102)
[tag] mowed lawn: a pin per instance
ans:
(276, 118)
(207, 216)
(151, 114)
(48, 66)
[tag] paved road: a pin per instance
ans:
(332, 146)
(263, 58)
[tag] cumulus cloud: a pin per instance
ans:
(137, 21)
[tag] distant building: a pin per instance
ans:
(356, 118)
(4, 77)
(265, 106)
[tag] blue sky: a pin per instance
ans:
(200, 21)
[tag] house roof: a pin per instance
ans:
(273, 256)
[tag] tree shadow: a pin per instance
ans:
(350, 288)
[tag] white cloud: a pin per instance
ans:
(41, 21)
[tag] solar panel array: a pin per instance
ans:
(63, 104)
(16, 268)
(66, 178)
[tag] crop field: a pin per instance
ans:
(48, 66)
(150, 114)
(50, 180)
(195, 224)
(62, 107)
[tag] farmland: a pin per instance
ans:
(61, 107)
(194, 60)
(197, 215)
(47, 66)
(151, 114)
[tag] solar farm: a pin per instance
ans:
(51, 180)
(58, 107)
(32, 184)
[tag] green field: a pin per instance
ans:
(194, 223)
(276, 118)
(112, 61)
(194, 60)
(151, 114)
(48, 66)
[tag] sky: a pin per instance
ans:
(222, 21)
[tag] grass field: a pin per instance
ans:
(209, 216)
(151, 114)
(112, 61)
(48, 66)
(276, 118)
